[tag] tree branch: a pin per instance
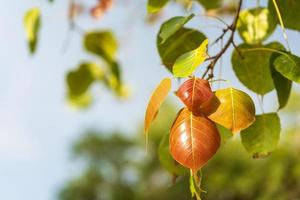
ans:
(232, 28)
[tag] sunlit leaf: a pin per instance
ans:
(252, 67)
(262, 136)
(166, 159)
(101, 43)
(187, 63)
(171, 26)
(255, 25)
(289, 10)
(32, 23)
(183, 41)
(232, 109)
(193, 140)
(156, 5)
(194, 92)
(80, 101)
(157, 98)
(289, 66)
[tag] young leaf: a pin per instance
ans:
(101, 43)
(211, 4)
(255, 25)
(166, 159)
(171, 26)
(193, 140)
(194, 92)
(289, 66)
(183, 41)
(289, 10)
(232, 109)
(156, 5)
(32, 27)
(262, 137)
(157, 98)
(187, 63)
(252, 67)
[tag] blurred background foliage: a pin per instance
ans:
(116, 167)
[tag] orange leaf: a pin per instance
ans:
(157, 98)
(232, 109)
(194, 92)
(193, 140)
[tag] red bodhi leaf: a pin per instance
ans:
(194, 92)
(193, 140)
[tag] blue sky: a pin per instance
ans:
(37, 127)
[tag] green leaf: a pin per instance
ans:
(262, 137)
(211, 4)
(187, 63)
(156, 5)
(225, 133)
(101, 43)
(289, 66)
(255, 25)
(171, 26)
(80, 79)
(32, 26)
(252, 69)
(282, 85)
(289, 10)
(166, 159)
(82, 101)
(183, 41)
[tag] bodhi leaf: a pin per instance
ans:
(156, 5)
(101, 43)
(187, 63)
(171, 26)
(289, 11)
(262, 137)
(80, 79)
(255, 25)
(183, 41)
(157, 98)
(193, 140)
(32, 26)
(253, 67)
(211, 4)
(166, 159)
(282, 85)
(289, 66)
(194, 92)
(232, 109)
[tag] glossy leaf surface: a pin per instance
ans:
(183, 41)
(101, 43)
(289, 66)
(157, 98)
(255, 25)
(187, 63)
(253, 67)
(193, 140)
(262, 137)
(32, 25)
(232, 109)
(171, 26)
(194, 92)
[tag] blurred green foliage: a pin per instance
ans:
(117, 167)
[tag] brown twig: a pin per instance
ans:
(214, 59)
